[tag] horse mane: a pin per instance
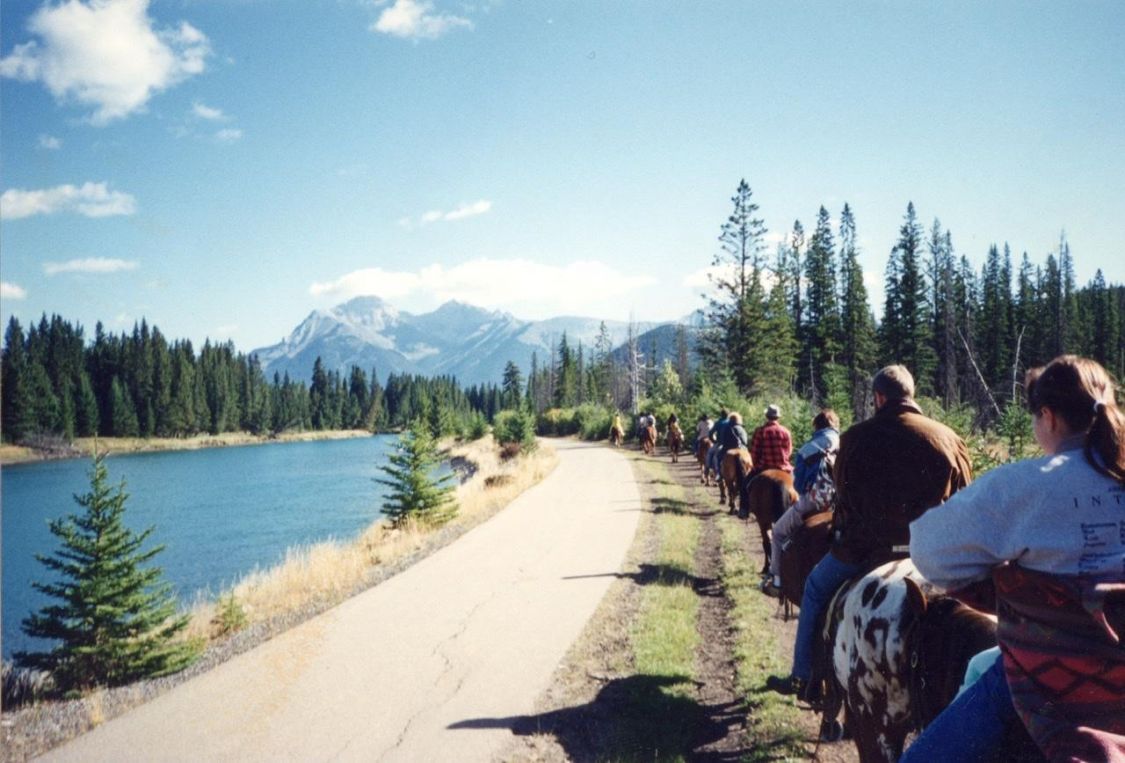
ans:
(949, 633)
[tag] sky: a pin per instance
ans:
(223, 167)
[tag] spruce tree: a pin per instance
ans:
(858, 353)
(114, 620)
(737, 311)
(415, 494)
(821, 333)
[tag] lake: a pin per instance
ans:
(220, 512)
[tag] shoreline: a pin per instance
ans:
(83, 447)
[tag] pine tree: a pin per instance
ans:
(17, 418)
(115, 620)
(737, 311)
(513, 384)
(857, 325)
(821, 331)
(912, 341)
(415, 495)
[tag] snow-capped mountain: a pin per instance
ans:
(470, 343)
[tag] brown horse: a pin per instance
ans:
(616, 436)
(767, 496)
(701, 449)
(647, 438)
(807, 545)
(675, 441)
(896, 659)
(729, 473)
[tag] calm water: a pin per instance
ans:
(220, 512)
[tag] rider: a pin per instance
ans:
(716, 433)
(814, 485)
(702, 429)
(821, 446)
(890, 469)
(772, 444)
(674, 427)
(1051, 532)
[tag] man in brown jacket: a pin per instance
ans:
(890, 469)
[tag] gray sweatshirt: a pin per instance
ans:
(1052, 514)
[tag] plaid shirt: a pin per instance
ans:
(771, 447)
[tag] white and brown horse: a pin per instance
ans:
(897, 658)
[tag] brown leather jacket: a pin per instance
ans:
(889, 471)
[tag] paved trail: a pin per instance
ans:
(473, 631)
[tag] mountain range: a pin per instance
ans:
(470, 343)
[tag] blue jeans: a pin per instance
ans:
(973, 726)
(827, 576)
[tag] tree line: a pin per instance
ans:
(800, 320)
(140, 384)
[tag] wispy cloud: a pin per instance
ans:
(49, 142)
(89, 265)
(11, 291)
(438, 215)
(514, 284)
(203, 111)
(88, 199)
(105, 54)
(228, 135)
(415, 19)
(226, 331)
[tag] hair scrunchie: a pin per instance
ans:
(1097, 405)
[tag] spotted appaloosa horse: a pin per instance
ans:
(767, 496)
(896, 657)
(728, 475)
(701, 447)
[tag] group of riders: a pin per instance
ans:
(1040, 542)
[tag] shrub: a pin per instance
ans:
(592, 422)
(229, 616)
(556, 422)
(515, 427)
(476, 427)
(510, 451)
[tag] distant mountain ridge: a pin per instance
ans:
(457, 339)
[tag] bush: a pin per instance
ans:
(515, 427)
(592, 422)
(476, 427)
(229, 616)
(556, 422)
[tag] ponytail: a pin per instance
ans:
(1106, 438)
(1082, 393)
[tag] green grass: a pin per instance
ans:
(773, 721)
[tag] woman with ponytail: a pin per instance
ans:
(1049, 533)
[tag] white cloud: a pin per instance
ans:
(203, 111)
(515, 284)
(11, 291)
(226, 331)
(413, 19)
(460, 213)
(89, 265)
(106, 54)
(89, 199)
(228, 135)
(49, 142)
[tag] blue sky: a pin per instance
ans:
(222, 167)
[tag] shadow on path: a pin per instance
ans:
(663, 574)
(638, 718)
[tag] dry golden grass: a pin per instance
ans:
(328, 572)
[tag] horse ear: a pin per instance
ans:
(915, 599)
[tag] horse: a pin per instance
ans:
(806, 546)
(729, 474)
(616, 436)
(894, 658)
(675, 442)
(701, 448)
(647, 438)
(767, 496)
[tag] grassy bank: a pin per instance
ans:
(314, 577)
(83, 447)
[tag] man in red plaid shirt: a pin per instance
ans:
(772, 444)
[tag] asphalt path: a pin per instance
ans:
(473, 631)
